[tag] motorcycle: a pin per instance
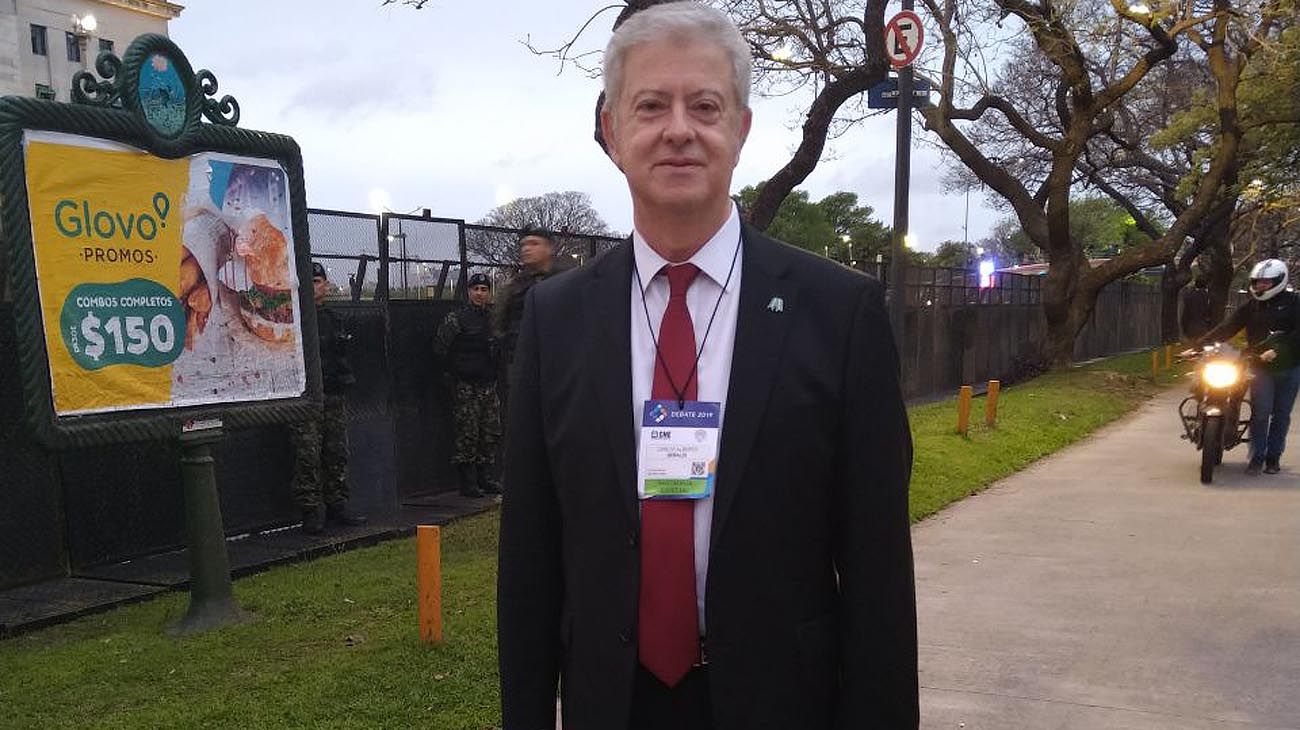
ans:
(1216, 416)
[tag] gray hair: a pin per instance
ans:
(687, 20)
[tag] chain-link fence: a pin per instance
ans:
(348, 245)
(425, 256)
(31, 530)
(373, 257)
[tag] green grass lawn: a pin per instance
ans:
(336, 644)
(1034, 420)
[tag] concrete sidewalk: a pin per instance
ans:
(1106, 588)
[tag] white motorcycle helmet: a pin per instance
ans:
(1271, 271)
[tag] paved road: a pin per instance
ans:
(1106, 588)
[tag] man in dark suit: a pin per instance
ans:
(707, 453)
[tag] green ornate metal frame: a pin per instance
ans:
(109, 109)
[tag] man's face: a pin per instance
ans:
(677, 129)
(535, 252)
(320, 287)
(479, 295)
(1261, 285)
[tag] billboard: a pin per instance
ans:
(157, 257)
(163, 283)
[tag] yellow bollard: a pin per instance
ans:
(963, 410)
(1155, 363)
(428, 550)
(991, 406)
(1169, 357)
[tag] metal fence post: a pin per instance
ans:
(462, 281)
(381, 276)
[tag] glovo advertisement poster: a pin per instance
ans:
(163, 283)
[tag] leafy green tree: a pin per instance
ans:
(1269, 211)
(1102, 228)
(798, 221)
(1027, 125)
(822, 226)
(955, 255)
(919, 259)
(869, 236)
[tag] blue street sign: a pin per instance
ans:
(884, 95)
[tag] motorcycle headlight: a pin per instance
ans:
(1221, 374)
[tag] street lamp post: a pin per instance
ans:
(400, 237)
(965, 226)
(82, 27)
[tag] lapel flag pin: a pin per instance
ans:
(776, 305)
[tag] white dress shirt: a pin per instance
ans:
(715, 263)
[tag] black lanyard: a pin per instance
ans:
(659, 358)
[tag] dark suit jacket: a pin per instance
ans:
(810, 603)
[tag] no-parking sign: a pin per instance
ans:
(903, 37)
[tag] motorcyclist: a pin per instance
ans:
(1272, 321)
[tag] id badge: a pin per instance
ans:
(679, 449)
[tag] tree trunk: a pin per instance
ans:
(1216, 261)
(1067, 306)
(1212, 251)
(1064, 323)
(1172, 282)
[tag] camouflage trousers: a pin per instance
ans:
(320, 462)
(477, 415)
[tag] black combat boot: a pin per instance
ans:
(340, 514)
(1254, 467)
(313, 520)
(468, 485)
(486, 483)
(1272, 465)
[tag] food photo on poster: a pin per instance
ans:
(243, 335)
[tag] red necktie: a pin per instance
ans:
(668, 632)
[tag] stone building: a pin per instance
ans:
(44, 42)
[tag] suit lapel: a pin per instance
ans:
(767, 306)
(610, 359)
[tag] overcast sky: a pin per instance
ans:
(445, 108)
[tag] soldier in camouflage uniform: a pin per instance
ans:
(468, 352)
(320, 468)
